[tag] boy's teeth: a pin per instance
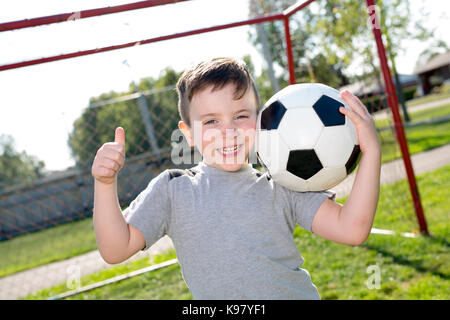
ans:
(229, 150)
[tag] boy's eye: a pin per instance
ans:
(210, 122)
(242, 117)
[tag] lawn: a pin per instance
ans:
(445, 93)
(42, 247)
(420, 138)
(409, 268)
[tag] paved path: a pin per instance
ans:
(428, 105)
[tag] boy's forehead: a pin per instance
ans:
(210, 100)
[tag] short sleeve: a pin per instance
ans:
(149, 212)
(306, 204)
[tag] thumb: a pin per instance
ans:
(120, 136)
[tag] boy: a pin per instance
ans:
(231, 225)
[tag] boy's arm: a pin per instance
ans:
(351, 223)
(116, 239)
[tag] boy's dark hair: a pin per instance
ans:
(217, 72)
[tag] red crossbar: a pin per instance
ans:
(146, 41)
(137, 5)
(20, 24)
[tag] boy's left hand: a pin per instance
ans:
(363, 122)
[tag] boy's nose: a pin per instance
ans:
(231, 131)
(231, 137)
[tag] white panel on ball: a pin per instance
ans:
(298, 121)
(308, 92)
(290, 181)
(326, 178)
(334, 146)
(272, 148)
(352, 130)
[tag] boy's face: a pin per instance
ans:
(222, 128)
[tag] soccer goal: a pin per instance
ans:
(117, 66)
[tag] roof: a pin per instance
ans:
(435, 63)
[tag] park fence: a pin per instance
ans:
(52, 201)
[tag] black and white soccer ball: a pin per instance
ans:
(302, 139)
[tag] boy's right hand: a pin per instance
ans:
(110, 159)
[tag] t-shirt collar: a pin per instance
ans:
(216, 171)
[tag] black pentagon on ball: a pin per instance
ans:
(353, 159)
(328, 111)
(272, 115)
(303, 163)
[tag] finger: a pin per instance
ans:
(120, 136)
(111, 148)
(110, 164)
(354, 117)
(105, 172)
(354, 103)
(113, 154)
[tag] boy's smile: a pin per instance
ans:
(222, 128)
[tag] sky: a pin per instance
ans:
(38, 104)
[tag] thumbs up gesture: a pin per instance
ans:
(110, 159)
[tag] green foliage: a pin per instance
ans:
(310, 64)
(17, 168)
(97, 123)
(332, 36)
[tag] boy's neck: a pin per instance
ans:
(227, 167)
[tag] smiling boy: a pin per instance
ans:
(232, 226)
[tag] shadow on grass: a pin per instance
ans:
(398, 259)
(432, 143)
(440, 240)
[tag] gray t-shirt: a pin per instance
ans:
(232, 231)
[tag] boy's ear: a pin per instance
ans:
(186, 130)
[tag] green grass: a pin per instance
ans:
(410, 268)
(68, 240)
(54, 244)
(46, 246)
(420, 138)
(430, 113)
(430, 97)
(419, 115)
(168, 281)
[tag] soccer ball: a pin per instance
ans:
(302, 139)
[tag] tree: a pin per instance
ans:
(336, 34)
(344, 27)
(97, 123)
(17, 168)
(310, 64)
